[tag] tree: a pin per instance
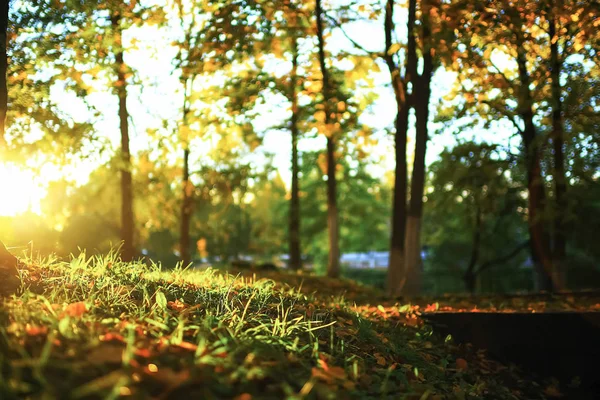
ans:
(333, 266)
(473, 219)
(189, 61)
(504, 57)
(85, 45)
(422, 93)
(411, 91)
(8, 263)
(121, 71)
(4, 7)
(396, 273)
(294, 225)
(363, 206)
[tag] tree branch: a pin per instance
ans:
(504, 258)
(338, 25)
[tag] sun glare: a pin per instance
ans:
(20, 191)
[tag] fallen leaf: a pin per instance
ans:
(34, 330)
(176, 305)
(380, 359)
(187, 346)
(76, 309)
(109, 337)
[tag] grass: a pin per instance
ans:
(96, 327)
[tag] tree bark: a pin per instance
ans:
(560, 181)
(127, 218)
(421, 95)
(333, 265)
(295, 253)
(395, 275)
(539, 241)
(3, 69)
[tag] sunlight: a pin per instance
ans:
(21, 191)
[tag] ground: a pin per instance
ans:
(99, 328)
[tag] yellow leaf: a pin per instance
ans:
(320, 116)
(394, 48)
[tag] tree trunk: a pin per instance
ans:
(187, 185)
(295, 253)
(421, 95)
(3, 68)
(560, 181)
(333, 266)
(9, 276)
(395, 275)
(127, 219)
(470, 276)
(186, 210)
(539, 241)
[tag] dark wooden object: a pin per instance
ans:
(563, 345)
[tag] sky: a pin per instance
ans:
(160, 98)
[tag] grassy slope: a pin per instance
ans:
(99, 328)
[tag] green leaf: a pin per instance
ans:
(64, 327)
(161, 300)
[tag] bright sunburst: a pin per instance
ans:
(20, 191)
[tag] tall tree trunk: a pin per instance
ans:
(395, 276)
(421, 95)
(539, 241)
(3, 68)
(127, 219)
(295, 253)
(333, 266)
(470, 276)
(186, 210)
(187, 185)
(560, 181)
(9, 276)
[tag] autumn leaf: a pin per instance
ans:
(109, 337)
(380, 359)
(34, 330)
(394, 49)
(176, 305)
(187, 346)
(461, 364)
(76, 310)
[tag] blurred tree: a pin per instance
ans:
(504, 55)
(412, 90)
(473, 218)
(81, 43)
(364, 207)
(4, 7)
(396, 269)
(333, 266)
